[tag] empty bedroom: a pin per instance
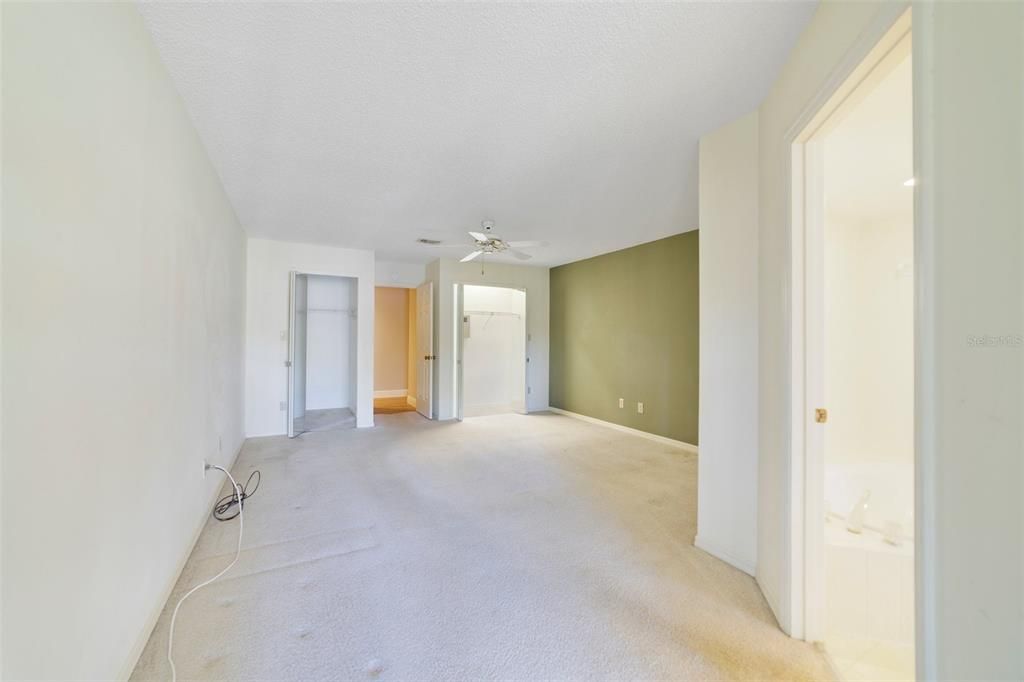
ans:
(511, 340)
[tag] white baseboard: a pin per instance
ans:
(625, 429)
(410, 400)
(396, 393)
(775, 606)
(147, 631)
(717, 552)
(489, 409)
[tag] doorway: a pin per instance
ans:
(491, 352)
(854, 218)
(394, 350)
(321, 353)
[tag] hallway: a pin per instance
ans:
(510, 546)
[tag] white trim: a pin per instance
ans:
(717, 552)
(625, 429)
(394, 393)
(410, 400)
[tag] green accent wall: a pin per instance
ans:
(625, 325)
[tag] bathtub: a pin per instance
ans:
(869, 582)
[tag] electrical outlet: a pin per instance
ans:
(639, 408)
(622, 403)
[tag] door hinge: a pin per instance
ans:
(287, 363)
(821, 415)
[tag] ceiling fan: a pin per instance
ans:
(485, 243)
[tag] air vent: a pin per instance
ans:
(432, 242)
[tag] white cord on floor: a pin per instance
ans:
(174, 616)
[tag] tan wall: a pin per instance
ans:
(390, 339)
(410, 370)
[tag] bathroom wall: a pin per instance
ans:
(869, 381)
(869, 304)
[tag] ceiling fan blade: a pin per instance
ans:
(520, 255)
(479, 236)
(526, 245)
(471, 256)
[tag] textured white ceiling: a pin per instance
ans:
(369, 125)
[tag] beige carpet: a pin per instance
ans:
(325, 420)
(506, 547)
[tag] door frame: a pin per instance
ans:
(427, 410)
(881, 46)
(457, 379)
(290, 361)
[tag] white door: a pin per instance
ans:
(425, 349)
(290, 362)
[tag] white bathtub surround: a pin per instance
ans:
(870, 615)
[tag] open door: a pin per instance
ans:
(290, 362)
(425, 349)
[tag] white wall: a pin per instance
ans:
(969, 251)
(328, 333)
(869, 363)
(727, 481)
(444, 273)
(493, 357)
(396, 274)
(969, 160)
(266, 378)
(834, 31)
(123, 302)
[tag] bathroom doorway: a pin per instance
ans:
(854, 198)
